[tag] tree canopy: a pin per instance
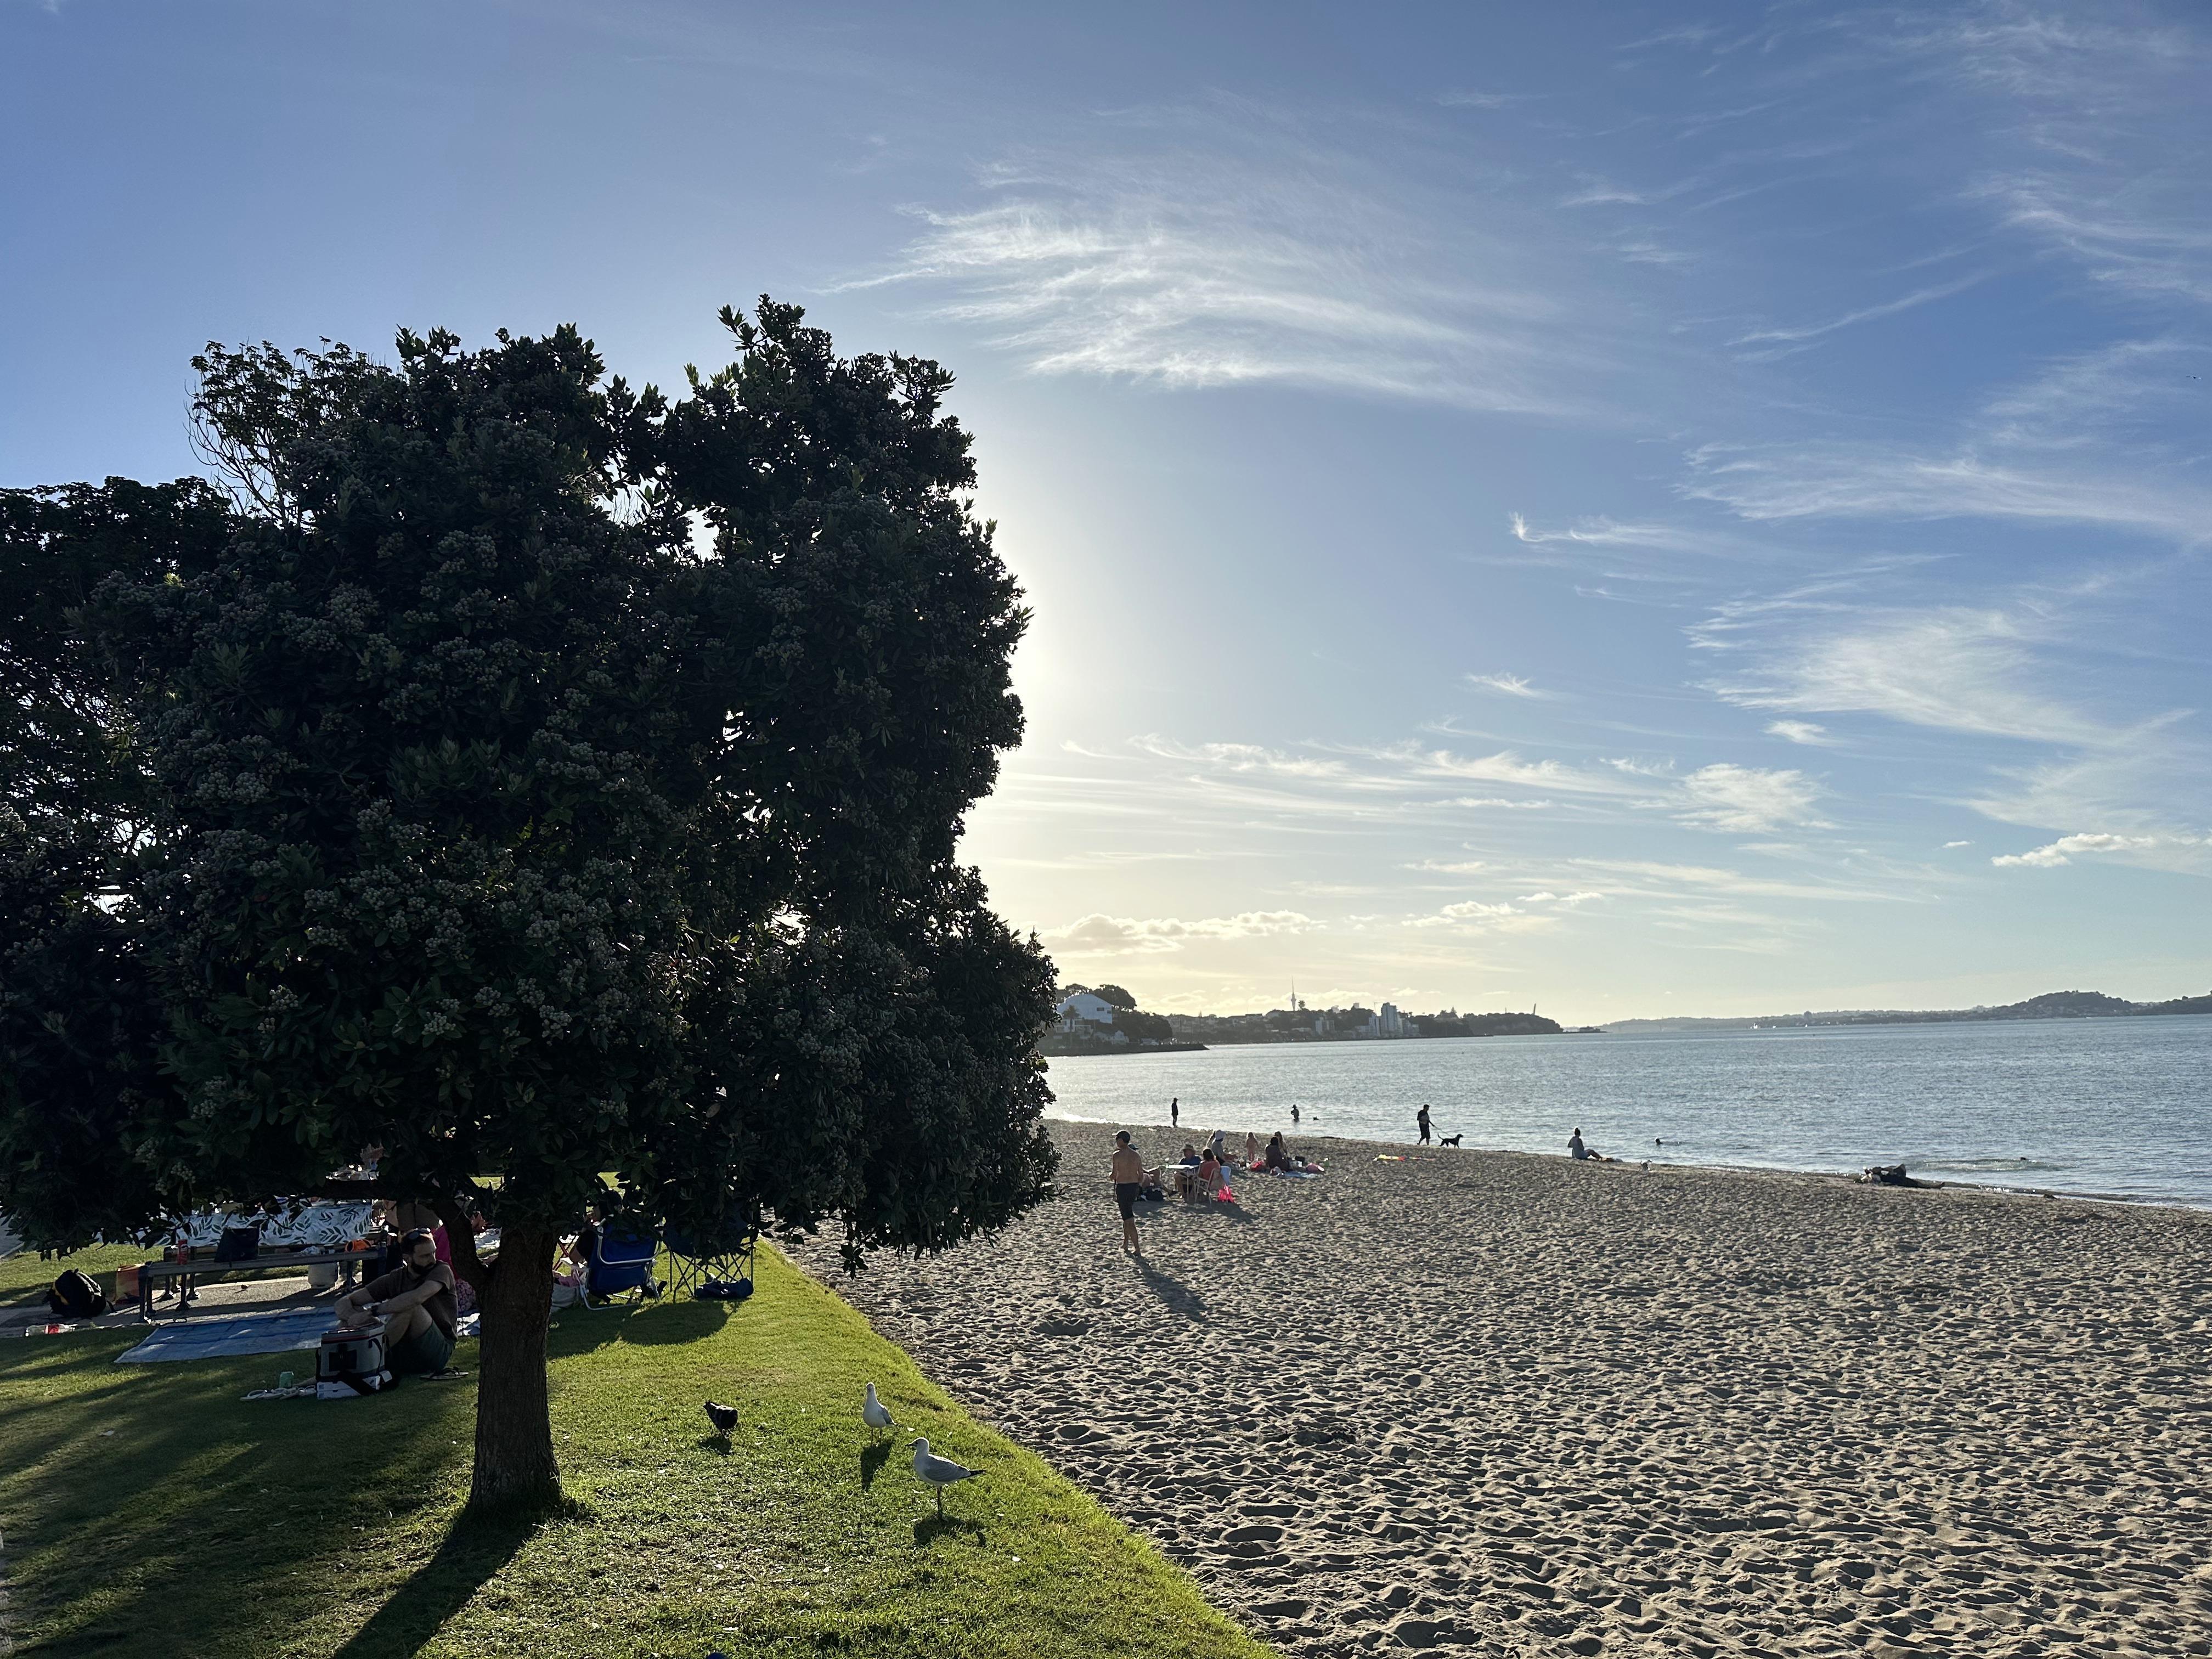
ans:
(530, 774)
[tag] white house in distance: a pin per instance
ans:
(1082, 1009)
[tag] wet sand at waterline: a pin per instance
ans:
(1514, 1405)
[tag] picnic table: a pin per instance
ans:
(260, 1262)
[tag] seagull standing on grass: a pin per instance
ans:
(938, 1472)
(874, 1413)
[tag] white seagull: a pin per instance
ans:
(938, 1472)
(874, 1413)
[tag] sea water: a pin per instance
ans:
(2114, 1106)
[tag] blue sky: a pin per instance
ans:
(1629, 510)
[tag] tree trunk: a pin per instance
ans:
(514, 1431)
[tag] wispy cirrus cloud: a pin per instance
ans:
(2108, 158)
(1952, 668)
(1782, 342)
(1748, 799)
(1223, 246)
(1513, 685)
(1804, 732)
(1820, 479)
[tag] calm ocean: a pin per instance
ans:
(2115, 1107)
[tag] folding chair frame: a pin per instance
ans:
(691, 1265)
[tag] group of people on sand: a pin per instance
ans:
(1199, 1172)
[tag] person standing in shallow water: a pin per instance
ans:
(1129, 1179)
(1294, 1112)
(1175, 1113)
(1423, 1119)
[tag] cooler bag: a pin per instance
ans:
(352, 1361)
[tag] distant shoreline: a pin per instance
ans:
(2053, 1004)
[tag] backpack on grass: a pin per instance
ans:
(77, 1296)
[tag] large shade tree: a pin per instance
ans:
(546, 780)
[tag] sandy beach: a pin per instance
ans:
(1513, 1405)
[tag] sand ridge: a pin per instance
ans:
(1492, 1401)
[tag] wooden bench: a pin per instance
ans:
(263, 1263)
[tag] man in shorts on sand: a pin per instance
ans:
(1128, 1177)
(416, 1303)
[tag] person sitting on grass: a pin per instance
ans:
(416, 1303)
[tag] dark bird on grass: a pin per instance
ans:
(724, 1418)
(938, 1472)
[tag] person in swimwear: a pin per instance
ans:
(1128, 1169)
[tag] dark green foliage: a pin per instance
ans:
(1139, 1027)
(1115, 995)
(529, 775)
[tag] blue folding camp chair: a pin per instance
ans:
(622, 1259)
(719, 1268)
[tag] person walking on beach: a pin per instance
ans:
(1128, 1177)
(1175, 1113)
(1423, 1119)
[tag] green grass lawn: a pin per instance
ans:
(24, 1277)
(148, 1510)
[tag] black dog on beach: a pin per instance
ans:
(1450, 1141)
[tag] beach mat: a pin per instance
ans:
(285, 1330)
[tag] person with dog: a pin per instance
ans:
(415, 1301)
(1421, 1120)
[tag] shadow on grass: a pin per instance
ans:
(873, 1458)
(931, 1527)
(673, 1322)
(157, 1499)
(474, 1549)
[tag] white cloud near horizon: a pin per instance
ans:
(1097, 934)
(2187, 854)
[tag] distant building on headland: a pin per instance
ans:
(1084, 1008)
(1353, 1025)
(1388, 1023)
(1106, 1020)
